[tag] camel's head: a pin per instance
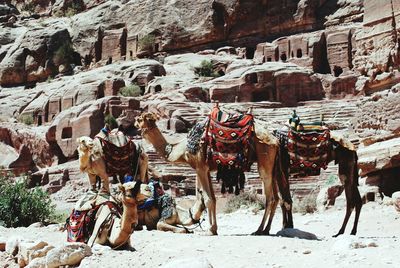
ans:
(85, 144)
(146, 121)
(130, 195)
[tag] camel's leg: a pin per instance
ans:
(348, 174)
(204, 179)
(273, 204)
(353, 200)
(281, 171)
(143, 168)
(266, 160)
(163, 226)
(92, 181)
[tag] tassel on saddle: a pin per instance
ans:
(231, 177)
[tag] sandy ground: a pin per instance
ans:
(375, 245)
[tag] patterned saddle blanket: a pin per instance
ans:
(120, 153)
(228, 139)
(308, 150)
(195, 136)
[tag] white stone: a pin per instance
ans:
(69, 254)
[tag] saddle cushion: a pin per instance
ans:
(228, 138)
(120, 160)
(308, 151)
(195, 136)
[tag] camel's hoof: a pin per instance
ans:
(353, 232)
(258, 232)
(336, 235)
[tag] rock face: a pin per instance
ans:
(280, 82)
(35, 55)
(377, 45)
(86, 120)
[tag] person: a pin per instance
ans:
(294, 121)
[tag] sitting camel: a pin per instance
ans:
(112, 228)
(91, 161)
(265, 153)
(168, 217)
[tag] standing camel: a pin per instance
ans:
(344, 154)
(265, 153)
(91, 161)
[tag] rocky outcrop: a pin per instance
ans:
(30, 145)
(279, 82)
(37, 54)
(377, 42)
(86, 120)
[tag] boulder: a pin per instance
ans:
(379, 156)
(68, 254)
(327, 196)
(292, 232)
(31, 250)
(396, 200)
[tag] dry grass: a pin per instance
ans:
(306, 204)
(247, 200)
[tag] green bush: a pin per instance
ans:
(110, 121)
(20, 206)
(248, 200)
(29, 7)
(147, 42)
(205, 69)
(130, 91)
(27, 119)
(64, 54)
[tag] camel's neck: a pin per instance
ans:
(121, 235)
(155, 137)
(84, 159)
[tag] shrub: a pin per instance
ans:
(110, 121)
(307, 204)
(29, 7)
(130, 91)
(147, 42)
(245, 199)
(27, 119)
(20, 206)
(205, 69)
(64, 54)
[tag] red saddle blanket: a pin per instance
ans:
(228, 139)
(80, 224)
(308, 151)
(120, 160)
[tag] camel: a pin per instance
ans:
(114, 229)
(179, 216)
(344, 154)
(91, 161)
(266, 152)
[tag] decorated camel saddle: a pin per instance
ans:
(120, 152)
(80, 223)
(308, 145)
(228, 138)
